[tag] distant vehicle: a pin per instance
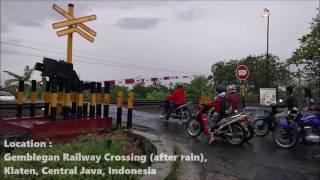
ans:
(7, 97)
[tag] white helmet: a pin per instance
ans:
(231, 88)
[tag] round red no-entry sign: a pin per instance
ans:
(242, 72)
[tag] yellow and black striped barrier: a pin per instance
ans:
(74, 96)
(33, 97)
(53, 100)
(80, 100)
(85, 109)
(106, 99)
(130, 107)
(98, 98)
(60, 100)
(20, 98)
(67, 101)
(47, 99)
(119, 108)
(93, 99)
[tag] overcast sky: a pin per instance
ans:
(151, 38)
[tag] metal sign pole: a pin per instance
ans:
(242, 95)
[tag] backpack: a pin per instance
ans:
(226, 107)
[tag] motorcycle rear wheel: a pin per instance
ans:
(280, 136)
(187, 115)
(249, 131)
(194, 127)
(260, 127)
(239, 132)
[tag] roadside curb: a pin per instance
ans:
(162, 146)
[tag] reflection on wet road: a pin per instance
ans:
(259, 159)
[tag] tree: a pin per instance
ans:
(223, 73)
(198, 87)
(114, 90)
(156, 95)
(27, 72)
(139, 90)
(308, 54)
(279, 75)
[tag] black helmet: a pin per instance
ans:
(220, 89)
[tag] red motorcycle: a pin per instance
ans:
(228, 128)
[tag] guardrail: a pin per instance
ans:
(25, 105)
(137, 102)
(41, 105)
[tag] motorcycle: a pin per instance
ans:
(248, 126)
(263, 125)
(228, 128)
(302, 125)
(182, 112)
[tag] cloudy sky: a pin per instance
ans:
(151, 38)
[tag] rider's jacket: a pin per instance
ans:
(216, 104)
(233, 99)
(178, 96)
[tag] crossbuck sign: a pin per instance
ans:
(72, 25)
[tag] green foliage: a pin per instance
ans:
(26, 76)
(11, 85)
(115, 89)
(155, 91)
(309, 54)
(223, 73)
(156, 95)
(139, 90)
(198, 87)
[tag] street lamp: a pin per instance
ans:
(266, 13)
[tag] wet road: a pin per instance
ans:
(260, 159)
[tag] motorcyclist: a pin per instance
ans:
(290, 103)
(218, 113)
(177, 98)
(307, 98)
(233, 98)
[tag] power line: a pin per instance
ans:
(110, 55)
(79, 61)
(98, 61)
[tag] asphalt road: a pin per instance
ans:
(260, 159)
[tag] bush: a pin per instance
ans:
(156, 95)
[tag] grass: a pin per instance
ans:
(121, 144)
(175, 167)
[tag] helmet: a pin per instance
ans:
(179, 85)
(220, 89)
(231, 88)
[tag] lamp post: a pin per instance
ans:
(266, 13)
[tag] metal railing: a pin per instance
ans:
(39, 105)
